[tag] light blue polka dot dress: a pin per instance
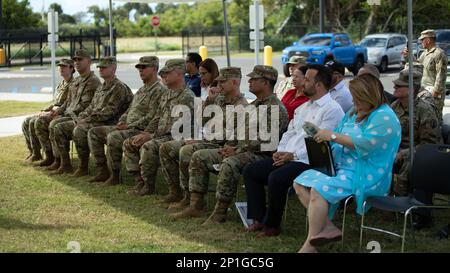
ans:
(364, 171)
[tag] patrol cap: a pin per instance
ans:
(429, 33)
(403, 78)
(107, 61)
(147, 61)
(81, 53)
(264, 71)
(65, 62)
(297, 60)
(174, 64)
(229, 72)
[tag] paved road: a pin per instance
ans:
(38, 82)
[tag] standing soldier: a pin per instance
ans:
(110, 101)
(175, 155)
(233, 158)
(141, 152)
(133, 122)
(80, 95)
(434, 61)
(426, 127)
(35, 128)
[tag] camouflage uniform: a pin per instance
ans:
(142, 109)
(434, 61)
(175, 155)
(426, 130)
(145, 159)
(247, 151)
(35, 128)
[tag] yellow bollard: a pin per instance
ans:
(2, 56)
(268, 55)
(203, 51)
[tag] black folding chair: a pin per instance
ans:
(430, 172)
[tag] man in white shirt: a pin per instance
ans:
(291, 158)
(339, 90)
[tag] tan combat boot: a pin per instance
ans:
(49, 159)
(175, 194)
(102, 175)
(147, 189)
(195, 209)
(139, 183)
(219, 215)
(184, 203)
(56, 164)
(66, 165)
(36, 156)
(83, 168)
(114, 179)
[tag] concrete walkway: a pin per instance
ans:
(11, 126)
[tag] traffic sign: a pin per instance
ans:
(155, 21)
(252, 17)
(252, 44)
(253, 36)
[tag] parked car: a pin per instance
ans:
(447, 82)
(319, 48)
(384, 49)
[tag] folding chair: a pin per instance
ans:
(429, 173)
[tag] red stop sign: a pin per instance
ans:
(155, 21)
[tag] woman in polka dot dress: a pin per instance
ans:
(364, 149)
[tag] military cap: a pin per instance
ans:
(264, 71)
(297, 60)
(66, 62)
(81, 53)
(147, 61)
(403, 77)
(174, 64)
(429, 33)
(107, 61)
(229, 72)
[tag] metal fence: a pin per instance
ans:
(31, 47)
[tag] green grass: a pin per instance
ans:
(17, 108)
(41, 213)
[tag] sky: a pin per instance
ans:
(72, 6)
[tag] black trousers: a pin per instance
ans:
(278, 181)
(426, 198)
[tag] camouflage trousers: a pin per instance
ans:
(50, 134)
(229, 173)
(175, 157)
(401, 185)
(440, 102)
(29, 133)
(100, 136)
(144, 159)
(65, 131)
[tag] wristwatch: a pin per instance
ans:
(333, 137)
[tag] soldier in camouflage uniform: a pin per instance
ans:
(81, 92)
(233, 158)
(35, 128)
(434, 61)
(110, 101)
(286, 84)
(132, 122)
(175, 155)
(426, 126)
(141, 152)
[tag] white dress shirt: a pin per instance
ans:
(325, 113)
(341, 94)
